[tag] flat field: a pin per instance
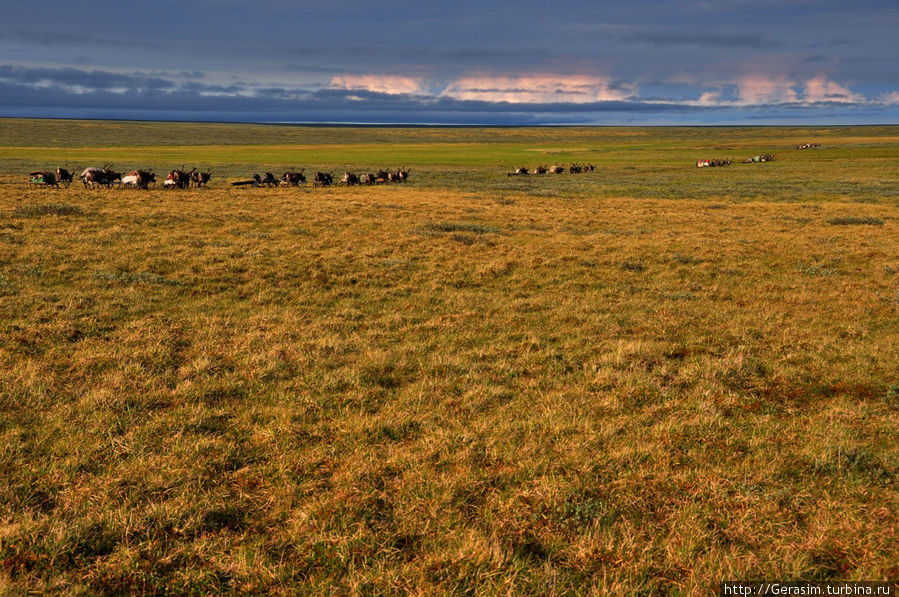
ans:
(645, 379)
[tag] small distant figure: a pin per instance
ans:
(139, 179)
(64, 177)
(716, 163)
(323, 179)
(200, 179)
(293, 178)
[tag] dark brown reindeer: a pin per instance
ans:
(268, 180)
(293, 178)
(349, 179)
(323, 179)
(100, 177)
(64, 177)
(200, 179)
(178, 179)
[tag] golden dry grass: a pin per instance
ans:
(422, 390)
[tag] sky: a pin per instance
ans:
(461, 62)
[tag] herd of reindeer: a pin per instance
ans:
(295, 178)
(183, 179)
(555, 169)
(107, 177)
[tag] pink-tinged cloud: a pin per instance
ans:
(537, 88)
(759, 89)
(392, 84)
(709, 98)
(819, 89)
(891, 98)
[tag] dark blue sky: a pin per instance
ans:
(522, 62)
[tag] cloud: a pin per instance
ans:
(542, 98)
(765, 90)
(709, 98)
(390, 84)
(538, 88)
(819, 89)
(761, 89)
(73, 77)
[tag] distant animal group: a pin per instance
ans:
(756, 159)
(106, 177)
(716, 163)
(768, 157)
(555, 169)
(325, 179)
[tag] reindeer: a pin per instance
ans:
(522, 171)
(557, 169)
(349, 179)
(293, 178)
(140, 179)
(111, 177)
(323, 179)
(404, 174)
(575, 169)
(178, 179)
(540, 170)
(382, 176)
(367, 178)
(200, 179)
(268, 180)
(64, 176)
(99, 177)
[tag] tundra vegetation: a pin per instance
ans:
(644, 379)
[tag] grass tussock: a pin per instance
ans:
(855, 221)
(443, 227)
(47, 209)
(135, 278)
(584, 391)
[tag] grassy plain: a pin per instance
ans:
(646, 379)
